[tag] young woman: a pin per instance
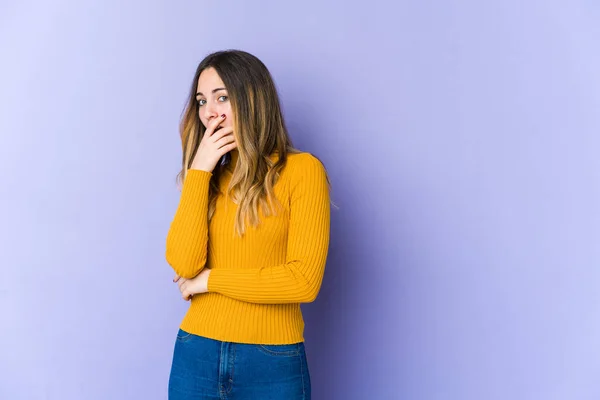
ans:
(248, 242)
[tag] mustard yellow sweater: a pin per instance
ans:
(257, 281)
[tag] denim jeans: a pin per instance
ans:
(204, 368)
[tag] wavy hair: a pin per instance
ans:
(259, 131)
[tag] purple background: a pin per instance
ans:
(462, 140)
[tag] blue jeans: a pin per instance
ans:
(210, 369)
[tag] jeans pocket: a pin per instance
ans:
(183, 336)
(280, 350)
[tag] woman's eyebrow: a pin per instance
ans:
(213, 91)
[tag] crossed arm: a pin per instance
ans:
(297, 280)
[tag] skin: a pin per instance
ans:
(216, 115)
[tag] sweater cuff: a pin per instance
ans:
(217, 280)
(210, 283)
(198, 174)
(196, 179)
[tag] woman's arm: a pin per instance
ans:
(298, 280)
(187, 238)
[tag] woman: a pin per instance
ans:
(249, 239)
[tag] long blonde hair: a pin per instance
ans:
(259, 131)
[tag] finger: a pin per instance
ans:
(176, 278)
(212, 126)
(181, 282)
(221, 133)
(227, 147)
(225, 140)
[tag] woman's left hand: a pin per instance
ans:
(190, 287)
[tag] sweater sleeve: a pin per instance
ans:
(187, 239)
(298, 280)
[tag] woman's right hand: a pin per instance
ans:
(213, 145)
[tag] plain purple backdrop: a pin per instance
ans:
(462, 141)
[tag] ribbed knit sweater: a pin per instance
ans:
(258, 280)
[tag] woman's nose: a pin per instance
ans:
(210, 111)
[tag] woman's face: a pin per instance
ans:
(213, 99)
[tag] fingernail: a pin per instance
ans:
(223, 115)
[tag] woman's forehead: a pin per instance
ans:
(208, 81)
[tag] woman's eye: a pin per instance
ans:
(201, 102)
(222, 98)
